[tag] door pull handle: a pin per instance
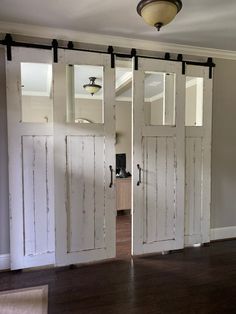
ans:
(111, 183)
(139, 175)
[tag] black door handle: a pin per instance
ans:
(139, 175)
(111, 183)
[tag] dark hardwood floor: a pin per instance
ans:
(123, 235)
(195, 280)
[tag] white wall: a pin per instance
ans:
(37, 109)
(123, 130)
(190, 111)
(157, 112)
(90, 109)
(223, 207)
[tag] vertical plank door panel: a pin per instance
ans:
(40, 197)
(151, 189)
(28, 195)
(88, 192)
(99, 198)
(50, 195)
(162, 188)
(171, 189)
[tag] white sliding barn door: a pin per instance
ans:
(30, 150)
(198, 121)
(158, 157)
(83, 154)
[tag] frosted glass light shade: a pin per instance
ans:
(158, 13)
(92, 88)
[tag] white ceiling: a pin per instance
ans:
(202, 23)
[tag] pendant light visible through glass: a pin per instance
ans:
(92, 88)
(159, 13)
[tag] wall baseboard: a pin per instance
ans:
(223, 233)
(216, 234)
(4, 261)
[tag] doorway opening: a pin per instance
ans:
(123, 158)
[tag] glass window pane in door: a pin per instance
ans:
(194, 101)
(36, 92)
(159, 98)
(85, 94)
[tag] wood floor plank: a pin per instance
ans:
(193, 281)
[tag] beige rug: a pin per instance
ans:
(24, 301)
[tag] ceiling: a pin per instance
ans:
(202, 23)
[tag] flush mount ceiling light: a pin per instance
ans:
(92, 88)
(158, 13)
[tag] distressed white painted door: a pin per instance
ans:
(198, 121)
(158, 157)
(83, 154)
(30, 150)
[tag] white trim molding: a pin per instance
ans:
(4, 261)
(117, 41)
(223, 233)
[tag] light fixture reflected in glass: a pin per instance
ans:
(159, 13)
(92, 88)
